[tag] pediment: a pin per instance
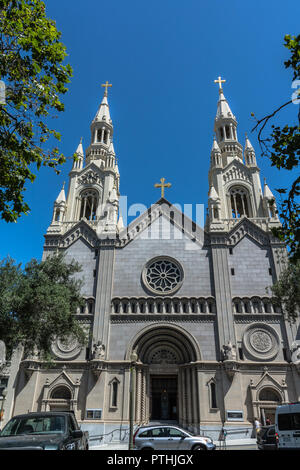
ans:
(91, 174)
(247, 228)
(170, 213)
(236, 171)
(62, 379)
(266, 380)
(81, 230)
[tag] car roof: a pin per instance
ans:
(145, 426)
(41, 413)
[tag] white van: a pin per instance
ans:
(287, 426)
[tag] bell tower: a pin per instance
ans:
(235, 190)
(93, 194)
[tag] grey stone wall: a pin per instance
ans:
(163, 240)
(251, 264)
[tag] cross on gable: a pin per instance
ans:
(162, 185)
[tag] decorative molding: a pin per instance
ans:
(166, 317)
(261, 341)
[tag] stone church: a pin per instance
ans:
(177, 313)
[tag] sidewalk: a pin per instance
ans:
(240, 443)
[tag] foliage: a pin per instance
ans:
(31, 66)
(38, 303)
(287, 290)
(282, 147)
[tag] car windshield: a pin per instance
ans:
(34, 425)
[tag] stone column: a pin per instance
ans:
(138, 394)
(189, 397)
(195, 399)
(222, 291)
(104, 291)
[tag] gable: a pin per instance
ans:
(162, 221)
(236, 171)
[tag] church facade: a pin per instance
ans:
(177, 314)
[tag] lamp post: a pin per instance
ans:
(133, 359)
(4, 393)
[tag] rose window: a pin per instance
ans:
(163, 275)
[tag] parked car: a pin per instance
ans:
(43, 431)
(287, 426)
(266, 438)
(169, 438)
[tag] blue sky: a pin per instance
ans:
(162, 58)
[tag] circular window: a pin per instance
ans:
(163, 275)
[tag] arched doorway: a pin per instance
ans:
(167, 384)
(60, 398)
(269, 399)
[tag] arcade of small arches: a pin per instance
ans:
(163, 305)
(255, 305)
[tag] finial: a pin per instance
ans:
(106, 85)
(220, 81)
(64, 185)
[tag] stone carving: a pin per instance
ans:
(99, 351)
(295, 352)
(261, 341)
(89, 178)
(66, 348)
(163, 356)
(229, 352)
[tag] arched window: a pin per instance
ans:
(227, 130)
(61, 393)
(89, 204)
(268, 394)
(239, 203)
(57, 214)
(213, 395)
(221, 132)
(114, 390)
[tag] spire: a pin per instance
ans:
(248, 145)
(101, 134)
(226, 130)
(79, 150)
(78, 162)
(61, 197)
(267, 192)
(215, 146)
(223, 109)
(103, 111)
(249, 151)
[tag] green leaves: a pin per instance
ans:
(31, 65)
(287, 290)
(282, 147)
(39, 303)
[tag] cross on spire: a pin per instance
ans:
(106, 85)
(162, 186)
(220, 81)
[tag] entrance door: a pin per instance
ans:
(164, 398)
